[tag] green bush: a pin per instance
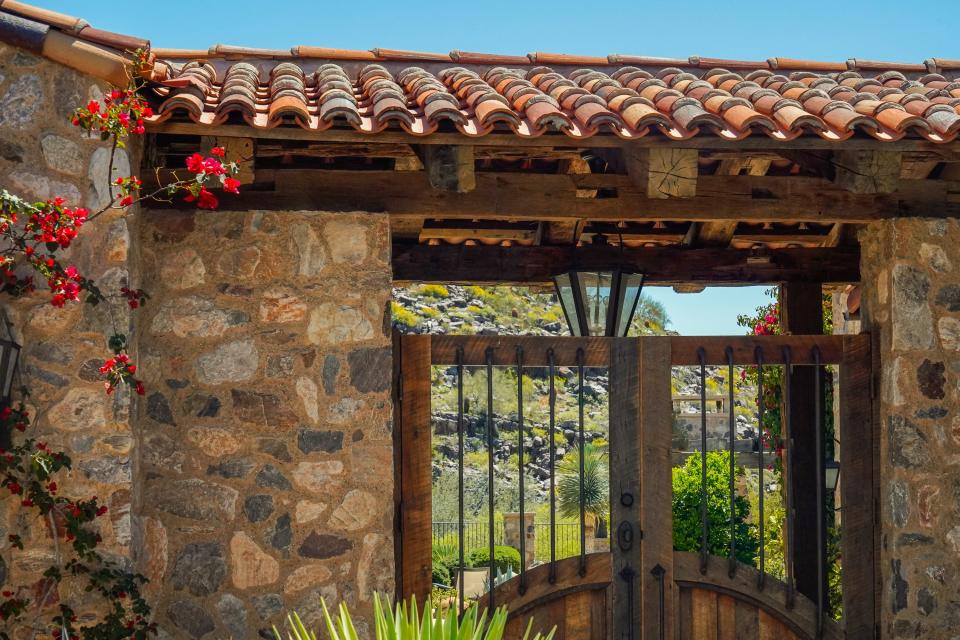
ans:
(687, 530)
(441, 575)
(434, 291)
(403, 316)
(504, 557)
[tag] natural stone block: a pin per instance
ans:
(162, 451)
(193, 499)
(949, 330)
(101, 177)
(20, 101)
(307, 390)
(899, 503)
(280, 366)
(182, 269)
(928, 508)
(930, 379)
(357, 510)
(62, 154)
(331, 367)
(308, 576)
(912, 321)
(199, 568)
(195, 317)
(323, 546)
(281, 306)
(250, 566)
(237, 468)
(336, 323)
(323, 441)
(110, 469)
(313, 256)
(81, 408)
(270, 477)
(908, 444)
(347, 241)
(202, 405)
(258, 508)
(898, 587)
(268, 605)
(233, 614)
(375, 567)
(191, 618)
(264, 409)
(158, 408)
(231, 362)
(935, 257)
(314, 476)
(38, 186)
(239, 263)
(949, 296)
(282, 533)
(214, 442)
(276, 448)
(370, 369)
(307, 511)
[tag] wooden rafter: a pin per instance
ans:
(566, 232)
(720, 233)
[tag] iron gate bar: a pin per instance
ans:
(702, 357)
(760, 409)
(582, 442)
(461, 512)
(523, 514)
(490, 478)
(733, 459)
(818, 444)
(553, 465)
(787, 429)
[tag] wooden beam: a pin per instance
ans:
(662, 265)
(663, 172)
(549, 197)
(658, 590)
(479, 230)
(802, 314)
(625, 497)
(416, 432)
(566, 232)
(449, 167)
(509, 139)
(859, 464)
(867, 171)
(719, 234)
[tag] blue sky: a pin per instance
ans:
(889, 30)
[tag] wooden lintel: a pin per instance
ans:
(551, 197)
(867, 171)
(661, 265)
(449, 167)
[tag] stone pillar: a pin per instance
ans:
(512, 533)
(911, 290)
(265, 440)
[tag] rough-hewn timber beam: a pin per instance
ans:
(662, 265)
(719, 234)
(449, 167)
(550, 197)
(867, 171)
(948, 152)
(662, 172)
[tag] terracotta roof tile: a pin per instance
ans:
(775, 99)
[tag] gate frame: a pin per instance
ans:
(640, 416)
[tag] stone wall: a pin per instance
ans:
(266, 451)
(911, 277)
(41, 156)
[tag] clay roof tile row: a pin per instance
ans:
(627, 101)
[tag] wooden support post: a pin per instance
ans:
(860, 542)
(415, 518)
(656, 492)
(801, 305)
(625, 525)
(449, 167)
(867, 171)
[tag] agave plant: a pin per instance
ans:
(403, 622)
(596, 488)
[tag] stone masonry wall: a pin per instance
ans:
(41, 156)
(266, 451)
(911, 277)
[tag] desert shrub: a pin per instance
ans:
(434, 291)
(403, 316)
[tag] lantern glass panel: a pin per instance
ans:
(9, 355)
(568, 303)
(630, 287)
(596, 288)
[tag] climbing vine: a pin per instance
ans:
(34, 236)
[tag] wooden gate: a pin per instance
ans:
(643, 589)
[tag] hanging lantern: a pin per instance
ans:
(9, 358)
(599, 303)
(831, 475)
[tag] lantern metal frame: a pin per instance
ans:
(9, 363)
(618, 292)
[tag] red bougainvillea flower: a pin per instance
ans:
(231, 185)
(218, 151)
